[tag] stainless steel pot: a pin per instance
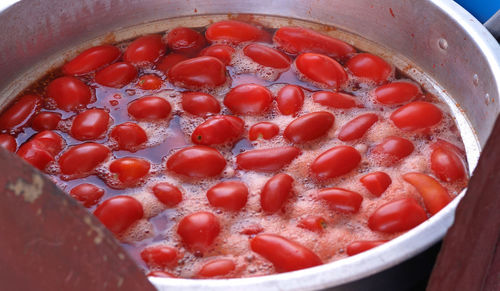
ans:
(435, 41)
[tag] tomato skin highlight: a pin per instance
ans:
(229, 195)
(88, 194)
(8, 142)
(396, 93)
(149, 108)
(335, 100)
(325, 72)
(341, 200)
(129, 136)
(220, 51)
(167, 193)
(418, 115)
(234, 32)
(216, 268)
(248, 99)
(267, 160)
(197, 162)
(159, 256)
(20, 113)
(83, 158)
(46, 121)
(90, 124)
(435, 196)
(360, 246)
(168, 61)
(357, 127)
(447, 165)
(219, 129)
(69, 93)
(199, 230)
(199, 72)
(119, 213)
(376, 182)
(145, 50)
(185, 40)
(286, 255)
(199, 103)
(371, 67)
(313, 223)
(290, 99)
(264, 130)
(335, 162)
(276, 192)
(392, 149)
(116, 75)
(130, 170)
(309, 127)
(267, 56)
(91, 60)
(396, 216)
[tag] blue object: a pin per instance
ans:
(481, 9)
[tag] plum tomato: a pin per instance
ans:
(69, 93)
(199, 230)
(90, 124)
(290, 99)
(335, 100)
(217, 130)
(199, 103)
(341, 200)
(82, 159)
(323, 71)
(276, 192)
(129, 136)
(356, 128)
(267, 56)
(221, 51)
(46, 121)
(159, 256)
(20, 113)
(149, 82)
(8, 142)
(199, 72)
(168, 61)
(371, 67)
(392, 149)
(185, 40)
(435, 196)
(130, 170)
(335, 162)
(149, 108)
(396, 93)
(167, 193)
(119, 212)
(313, 223)
(360, 246)
(116, 75)
(88, 194)
(248, 99)
(91, 59)
(376, 182)
(447, 165)
(309, 127)
(264, 130)
(267, 160)
(235, 32)
(197, 162)
(229, 195)
(217, 268)
(418, 115)
(145, 50)
(396, 216)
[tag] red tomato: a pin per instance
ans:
(335, 100)
(199, 230)
(296, 40)
(49, 141)
(199, 103)
(169, 61)
(267, 160)
(276, 192)
(87, 194)
(145, 50)
(129, 136)
(392, 149)
(90, 124)
(396, 93)
(159, 256)
(221, 51)
(91, 60)
(252, 229)
(69, 93)
(360, 246)
(290, 99)
(119, 212)
(8, 142)
(341, 200)
(161, 274)
(441, 143)
(149, 108)
(286, 255)
(313, 223)
(267, 56)
(41, 149)
(216, 268)
(435, 196)
(264, 130)
(370, 67)
(167, 193)
(231, 31)
(219, 129)
(197, 162)
(323, 71)
(447, 165)
(200, 72)
(357, 127)
(230, 195)
(130, 170)
(116, 75)
(149, 82)
(20, 113)
(335, 162)
(396, 216)
(309, 127)
(83, 158)
(416, 116)
(45, 121)
(185, 40)
(248, 99)
(376, 182)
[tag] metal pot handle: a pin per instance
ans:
(493, 25)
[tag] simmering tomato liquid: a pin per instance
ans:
(236, 150)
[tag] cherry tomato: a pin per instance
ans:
(49, 141)
(90, 124)
(41, 149)
(267, 56)
(116, 75)
(91, 60)
(290, 99)
(360, 246)
(145, 50)
(8, 142)
(357, 127)
(169, 61)
(370, 67)
(129, 136)
(167, 193)
(267, 160)
(416, 116)
(197, 162)
(286, 255)
(185, 40)
(447, 165)
(435, 196)
(376, 182)
(392, 149)
(309, 127)
(231, 31)
(46, 121)
(200, 72)
(313, 223)
(335, 162)
(323, 71)
(335, 100)
(159, 256)
(264, 130)
(69, 93)
(219, 129)
(276, 192)
(87, 194)
(199, 230)
(341, 200)
(396, 216)
(149, 82)
(20, 113)
(119, 212)
(130, 170)
(248, 99)
(161, 274)
(396, 93)
(216, 268)
(149, 108)
(199, 103)
(296, 40)
(230, 195)
(83, 158)
(221, 51)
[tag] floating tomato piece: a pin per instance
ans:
(219, 129)
(360, 246)
(49, 141)
(248, 99)
(376, 182)
(145, 50)
(335, 162)
(149, 82)
(290, 99)
(341, 200)
(335, 100)
(20, 113)
(129, 136)
(370, 67)
(232, 31)
(447, 165)
(200, 72)
(199, 230)
(88, 194)
(170, 60)
(159, 256)
(264, 130)
(313, 223)
(221, 51)
(91, 60)
(90, 124)
(167, 193)
(83, 158)
(276, 192)
(267, 56)
(8, 142)
(149, 108)
(185, 40)
(435, 196)
(45, 121)
(323, 71)
(161, 274)
(116, 75)
(69, 93)
(356, 128)
(396, 93)
(417, 116)
(199, 103)
(392, 149)
(119, 213)
(197, 162)
(309, 127)
(230, 195)
(267, 160)
(41, 149)
(396, 216)
(217, 268)
(130, 170)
